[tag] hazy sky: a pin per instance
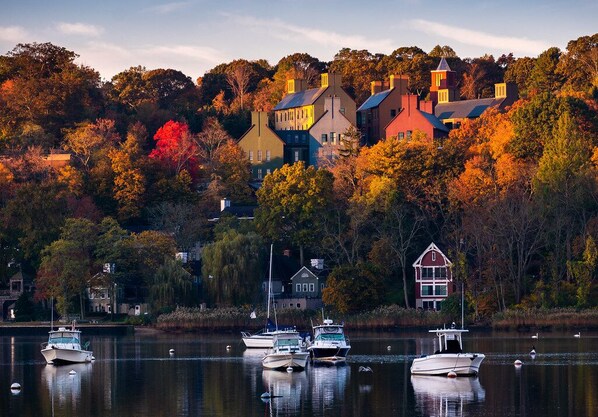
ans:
(196, 35)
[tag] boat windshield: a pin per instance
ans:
(64, 338)
(287, 342)
(330, 336)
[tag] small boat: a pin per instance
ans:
(449, 357)
(287, 351)
(330, 344)
(64, 346)
(264, 337)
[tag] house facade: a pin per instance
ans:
(433, 279)
(326, 133)
(412, 118)
(305, 291)
(381, 107)
(301, 107)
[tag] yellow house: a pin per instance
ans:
(262, 146)
(301, 107)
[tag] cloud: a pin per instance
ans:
(79, 29)
(12, 33)
(477, 38)
(289, 32)
(201, 53)
(169, 7)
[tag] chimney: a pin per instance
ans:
(295, 86)
(399, 82)
(376, 87)
(330, 79)
(224, 203)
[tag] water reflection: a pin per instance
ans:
(64, 385)
(328, 384)
(287, 389)
(446, 397)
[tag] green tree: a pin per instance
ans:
(170, 286)
(583, 272)
(544, 76)
(293, 201)
(350, 289)
(232, 268)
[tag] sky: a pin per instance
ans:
(194, 36)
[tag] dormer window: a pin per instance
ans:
(433, 256)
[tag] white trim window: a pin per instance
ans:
(298, 287)
(312, 287)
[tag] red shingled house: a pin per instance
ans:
(433, 278)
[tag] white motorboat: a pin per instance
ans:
(264, 337)
(287, 351)
(330, 344)
(449, 357)
(64, 346)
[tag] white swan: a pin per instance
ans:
(578, 334)
(535, 336)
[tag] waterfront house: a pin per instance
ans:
(433, 278)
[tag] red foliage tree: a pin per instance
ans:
(175, 148)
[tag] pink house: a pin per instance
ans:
(433, 279)
(415, 116)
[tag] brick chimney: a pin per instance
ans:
(295, 86)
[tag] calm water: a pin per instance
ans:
(136, 376)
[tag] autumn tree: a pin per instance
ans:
(351, 289)
(579, 64)
(176, 148)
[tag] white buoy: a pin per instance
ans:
(228, 347)
(171, 351)
(265, 395)
(533, 352)
(578, 334)
(290, 369)
(452, 374)
(15, 386)
(518, 363)
(72, 372)
(388, 347)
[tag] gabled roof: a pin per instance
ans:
(274, 134)
(430, 248)
(304, 269)
(443, 65)
(465, 109)
(301, 98)
(434, 121)
(374, 100)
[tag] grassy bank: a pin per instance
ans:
(555, 319)
(234, 319)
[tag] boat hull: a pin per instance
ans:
(258, 341)
(296, 360)
(329, 354)
(58, 355)
(463, 364)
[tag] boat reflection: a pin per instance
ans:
(287, 390)
(64, 385)
(446, 397)
(328, 384)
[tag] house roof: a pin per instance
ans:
(443, 65)
(432, 247)
(374, 100)
(465, 109)
(434, 121)
(304, 269)
(301, 98)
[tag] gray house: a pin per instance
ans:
(305, 292)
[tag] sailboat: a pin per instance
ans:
(264, 338)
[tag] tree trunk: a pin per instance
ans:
(81, 305)
(405, 288)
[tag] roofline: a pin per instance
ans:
(428, 249)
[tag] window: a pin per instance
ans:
(259, 156)
(393, 113)
(342, 110)
(298, 287)
(409, 133)
(324, 138)
(267, 171)
(427, 290)
(333, 138)
(312, 287)
(401, 135)
(440, 290)
(427, 272)
(441, 272)
(268, 156)
(438, 78)
(259, 173)
(433, 255)
(428, 305)
(296, 156)
(304, 287)
(251, 155)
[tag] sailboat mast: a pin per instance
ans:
(270, 280)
